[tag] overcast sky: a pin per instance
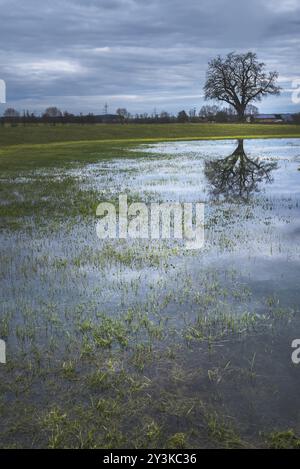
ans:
(138, 54)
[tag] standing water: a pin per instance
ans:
(142, 343)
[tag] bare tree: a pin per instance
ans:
(239, 79)
(209, 111)
(11, 112)
(182, 117)
(122, 113)
(52, 112)
(252, 110)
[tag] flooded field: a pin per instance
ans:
(143, 343)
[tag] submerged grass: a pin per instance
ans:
(114, 345)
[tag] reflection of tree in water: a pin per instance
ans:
(237, 176)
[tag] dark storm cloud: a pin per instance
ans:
(77, 54)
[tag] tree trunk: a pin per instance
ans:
(241, 113)
(240, 148)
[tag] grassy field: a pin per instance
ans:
(137, 345)
(45, 145)
(33, 134)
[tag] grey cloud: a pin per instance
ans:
(83, 51)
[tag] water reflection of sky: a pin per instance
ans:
(285, 152)
(258, 238)
(175, 170)
(60, 277)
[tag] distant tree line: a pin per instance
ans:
(52, 115)
(237, 81)
(208, 113)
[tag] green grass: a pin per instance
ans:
(145, 375)
(283, 440)
(40, 133)
(49, 146)
(31, 157)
